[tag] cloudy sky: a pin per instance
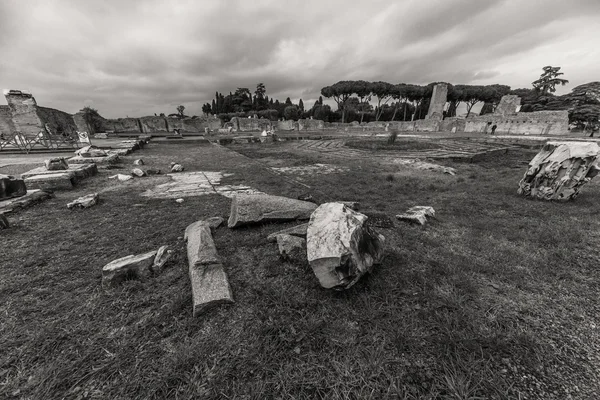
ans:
(138, 58)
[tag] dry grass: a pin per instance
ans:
(494, 299)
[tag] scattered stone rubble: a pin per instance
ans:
(138, 162)
(210, 286)
(176, 167)
(86, 201)
(258, 208)
(121, 177)
(138, 172)
(417, 214)
(559, 170)
(340, 246)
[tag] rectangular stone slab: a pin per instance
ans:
(80, 171)
(56, 181)
(110, 159)
(129, 267)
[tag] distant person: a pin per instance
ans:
(494, 129)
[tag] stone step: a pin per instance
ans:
(55, 181)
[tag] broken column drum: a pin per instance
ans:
(559, 170)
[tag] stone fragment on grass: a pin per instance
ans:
(139, 161)
(298, 231)
(176, 167)
(121, 177)
(32, 197)
(4, 222)
(559, 170)
(179, 201)
(340, 245)
(56, 164)
(291, 248)
(138, 172)
(86, 201)
(152, 171)
(11, 187)
(417, 214)
(210, 286)
(129, 267)
(162, 256)
(258, 208)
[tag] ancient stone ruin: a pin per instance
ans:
(438, 102)
(559, 170)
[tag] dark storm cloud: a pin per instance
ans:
(141, 57)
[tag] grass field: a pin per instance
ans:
(496, 298)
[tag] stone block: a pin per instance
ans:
(340, 245)
(417, 214)
(56, 164)
(86, 201)
(109, 159)
(11, 187)
(56, 181)
(129, 267)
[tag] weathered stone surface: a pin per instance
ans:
(508, 105)
(162, 256)
(4, 222)
(417, 214)
(77, 171)
(129, 267)
(32, 197)
(138, 172)
(559, 170)
(340, 246)
(90, 151)
(438, 102)
(258, 208)
(139, 161)
(109, 159)
(291, 248)
(86, 201)
(11, 187)
(176, 167)
(298, 231)
(210, 286)
(55, 181)
(56, 164)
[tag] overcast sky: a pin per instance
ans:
(138, 58)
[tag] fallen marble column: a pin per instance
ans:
(210, 286)
(259, 208)
(340, 246)
(559, 170)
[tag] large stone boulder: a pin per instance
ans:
(340, 245)
(11, 187)
(249, 209)
(559, 170)
(210, 286)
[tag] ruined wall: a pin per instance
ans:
(6, 125)
(23, 108)
(453, 123)
(287, 125)
(154, 124)
(57, 122)
(310, 125)
(427, 125)
(533, 123)
(250, 124)
(123, 125)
